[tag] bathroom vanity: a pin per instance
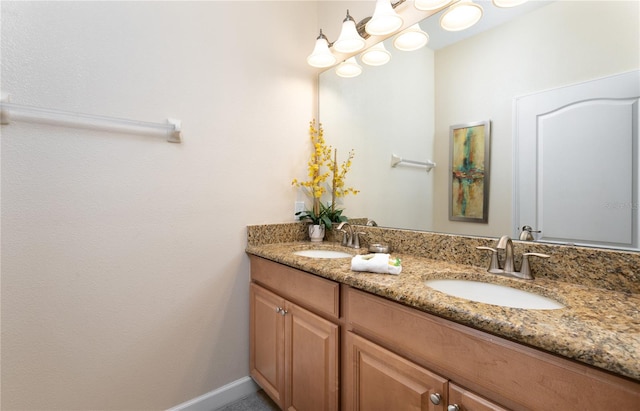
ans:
(326, 338)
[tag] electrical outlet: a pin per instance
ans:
(298, 207)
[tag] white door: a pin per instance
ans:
(576, 157)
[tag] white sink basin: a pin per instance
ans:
(494, 294)
(322, 254)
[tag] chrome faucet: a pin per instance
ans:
(505, 243)
(508, 267)
(349, 237)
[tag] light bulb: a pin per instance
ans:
(349, 40)
(377, 55)
(384, 21)
(461, 16)
(321, 56)
(411, 39)
(349, 68)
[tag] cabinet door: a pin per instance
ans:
(379, 380)
(468, 401)
(311, 361)
(266, 359)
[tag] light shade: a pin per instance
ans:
(349, 68)
(321, 56)
(411, 39)
(384, 21)
(508, 3)
(461, 16)
(431, 4)
(376, 55)
(349, 40)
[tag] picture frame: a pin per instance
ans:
(469, 156)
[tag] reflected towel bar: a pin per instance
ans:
(395, 160)
(19, 112)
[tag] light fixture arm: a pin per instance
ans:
(348, 17)
(322, 36)
(361, 28)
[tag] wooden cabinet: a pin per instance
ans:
(294, 352)
(498, 371)
(394, 357)
(379, 380)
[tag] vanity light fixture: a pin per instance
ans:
(508, 3)
(349, 68)
(430, 4)
(349, 40)
(321, 56)
(461, 16)
(376, 55)
(385, 20)
(411, 39)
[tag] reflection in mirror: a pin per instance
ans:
(407, 106)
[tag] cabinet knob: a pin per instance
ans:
(435, 398)
(278, 309)
(283, 312)
(453, 407)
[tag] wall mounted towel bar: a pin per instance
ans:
(19, 112)
(395, 160)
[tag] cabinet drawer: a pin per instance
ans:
(512, 374)
(307, 290)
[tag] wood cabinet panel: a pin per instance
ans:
(293, 353)
(312, 377)
(509, 373)
(310, 291)
(469, 401)
(379, 380)
(266, 359)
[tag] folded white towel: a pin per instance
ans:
(376, 263)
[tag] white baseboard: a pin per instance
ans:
(220, 397)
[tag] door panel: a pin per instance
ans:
(266, 359)
(311, 361)
(381, 380)
(576, 159)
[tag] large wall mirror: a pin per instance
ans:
(406, 107)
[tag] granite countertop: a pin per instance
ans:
(597, 327)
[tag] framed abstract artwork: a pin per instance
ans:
(469, 148)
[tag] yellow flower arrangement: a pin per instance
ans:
(321, 166)
(339, 175)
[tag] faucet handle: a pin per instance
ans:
(527, 233)
(494, 267)
(356, 238)
(345, 237)
(525, 269)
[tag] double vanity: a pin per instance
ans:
(327, 338)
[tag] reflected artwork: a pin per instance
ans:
(469, 177)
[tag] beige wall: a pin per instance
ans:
(124, 280)
(564, 43)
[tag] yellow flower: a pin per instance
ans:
(318, 159)
(322, 160)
